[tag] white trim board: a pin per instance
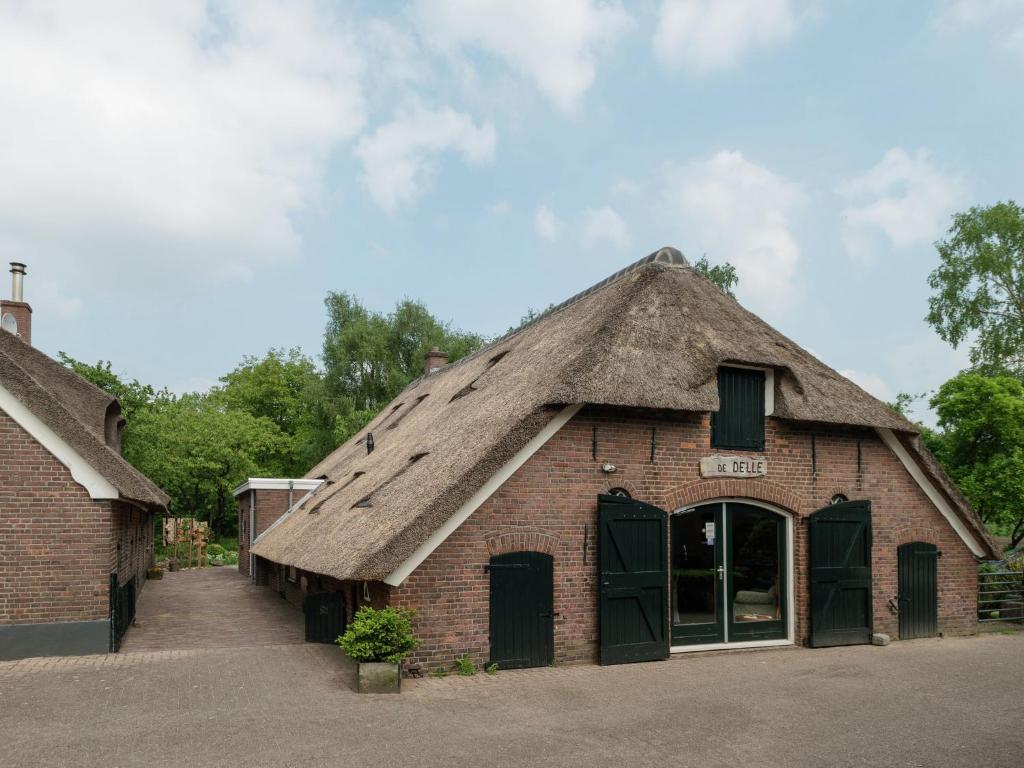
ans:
(277, 484)
(83, 473)
(401, 573)
(933, 494)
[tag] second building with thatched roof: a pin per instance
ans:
(645, 468)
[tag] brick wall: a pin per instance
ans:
(549, 505)
(58, 546)
(270, 505)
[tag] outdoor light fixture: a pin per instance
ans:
(608, 468)
(369, 442)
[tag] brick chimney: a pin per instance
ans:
(15, 314)
(433, 360)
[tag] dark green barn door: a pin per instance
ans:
(918, 598)
(325, 616)
(841, 574)
(634, 581)
(522, 602)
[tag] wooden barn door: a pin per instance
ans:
(325, 616)
(634, 581)
(918, 596)
(840, 552)
(522, 610)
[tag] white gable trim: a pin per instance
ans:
(931, 491)
(83, 473)
(401, 573)
(277, 484)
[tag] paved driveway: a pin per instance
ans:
(953, 702)
(210, 608)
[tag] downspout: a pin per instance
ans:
(291, 491)
(252, 531)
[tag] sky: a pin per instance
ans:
(186, 181)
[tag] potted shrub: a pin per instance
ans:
(378, 641)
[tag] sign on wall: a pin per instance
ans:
(733, 466)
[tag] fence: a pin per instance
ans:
(1001, 597)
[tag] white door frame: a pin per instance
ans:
(790, 577)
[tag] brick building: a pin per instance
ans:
(76, 520)
(645, 468)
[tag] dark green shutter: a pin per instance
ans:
(918, 591)
(634, 581)
(739, 422)
(325, 616)
(841, 607)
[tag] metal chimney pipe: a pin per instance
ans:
(17, 282)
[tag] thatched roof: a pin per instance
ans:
(651, 336)
(76, 411)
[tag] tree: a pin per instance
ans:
(198, 452)
(979, 286)
(284, 387)
(981, 445)
(370, 357)
(722, 275)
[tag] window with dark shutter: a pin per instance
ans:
(739, 423)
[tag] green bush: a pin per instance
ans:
(382, 636)
(214, 550)
(230, 558)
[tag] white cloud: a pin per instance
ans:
(707, 35)
(500, 208)
(398, 157)
(907, 197)
(546, 223)
(871, 382)
(1002, 19)
(737, 211)
(604, 225)
(170, 135)
(623, 188)
(555, 44)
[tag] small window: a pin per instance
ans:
(739, 423)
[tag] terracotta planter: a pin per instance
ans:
(380, 677)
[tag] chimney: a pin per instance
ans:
(15, 314)
(433, 360)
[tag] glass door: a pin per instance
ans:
(698, 576)
(756, 574)
(729, 571)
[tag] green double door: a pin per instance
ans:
(728, 574)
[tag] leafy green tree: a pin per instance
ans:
(722, 275)
(370, 357)
(981, 445)
(979, 286)
(198, 452)
(285, 387)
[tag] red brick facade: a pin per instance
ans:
(58, 546)
(550, 502)
(549, 505)
(270, 505)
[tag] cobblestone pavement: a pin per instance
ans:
(952, 702)
(210, 608)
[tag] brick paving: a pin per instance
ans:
(210, 608)
(933, 703)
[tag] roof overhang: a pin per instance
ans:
(933, 493)
(277, 484)
(97, 486)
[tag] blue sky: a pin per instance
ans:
(187, 181)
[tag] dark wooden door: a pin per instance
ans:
(840, 574)
(522, 610)
(325, 616)
(918, 590)
(634, 581)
